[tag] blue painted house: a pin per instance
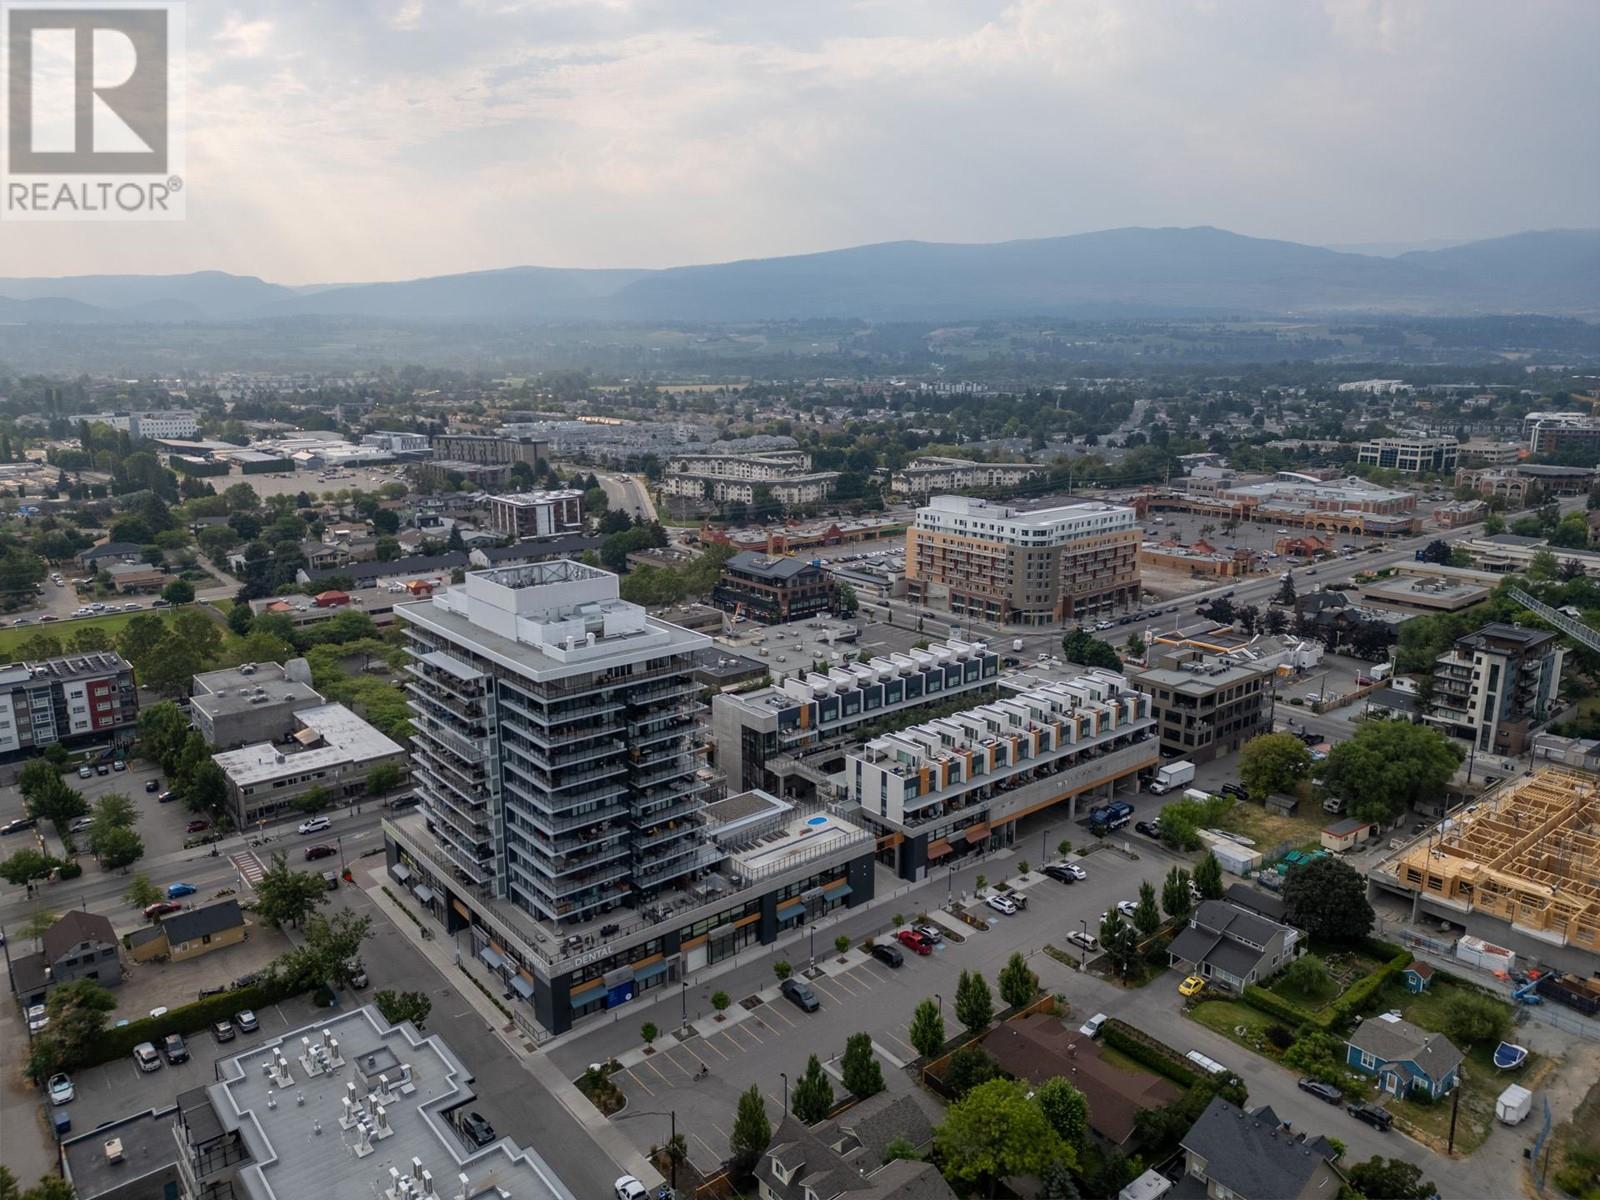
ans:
(1405, 1059)
(1417, 977)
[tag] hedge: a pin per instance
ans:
(1287, 1011)
(1146, 1051)
(1362, 990)
(120, 1040)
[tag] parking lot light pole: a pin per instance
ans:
(940, 999)
(813, 948)
(683, 995)
(1083, 956)
(784, 1075)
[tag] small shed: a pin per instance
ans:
(1281, 804)
(1417, 977)
(1348, 833)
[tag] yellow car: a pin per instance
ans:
(1192, 986)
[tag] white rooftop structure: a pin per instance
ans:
(346, 739)
(965, 516)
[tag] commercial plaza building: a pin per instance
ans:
(999, 563)
(564, 831)
(760, 734)
(958, 784)
(1410, 455)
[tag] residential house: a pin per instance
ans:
(81, 945)
(1239, 1155)
(1231, 946)
(1263, 904)
(95, 557)
(191, 933)
(1040, 1047)
(828, 1161)
(1404, 1057)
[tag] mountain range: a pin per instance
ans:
(1115, 273)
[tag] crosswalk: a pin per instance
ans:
(248, 866)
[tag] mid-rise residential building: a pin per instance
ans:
(700, 481)
(930, 475)
(1410, 455)
(76, 700)
(999, 563)
(399, 443)
(331, 749)
(1205, 706)
(487, 450)
(957, 785)
(773, 590)
(1555, 432)
(564, 823)
(536, 514)
(1495, 686)
(145, 424)
(253, 702)
(759, 734)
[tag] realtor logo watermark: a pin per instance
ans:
(93, 111)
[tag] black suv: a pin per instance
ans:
(174, 1049)
(888, 955)
(1378, 1118)
(800, 995)
(1060, 874)
(476, 1129)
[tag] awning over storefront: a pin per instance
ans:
(585, 991)
(792, 902)
(977, 833)
(836, 890)
(423, 892)
(400, 871)
(642, 974)
(522, 987)
(491, 959)
(938, 849)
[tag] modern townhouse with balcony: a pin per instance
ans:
(763, 737)
(563, 829)
(1495, 687)
(957, 785)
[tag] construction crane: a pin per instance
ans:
(1573, 628)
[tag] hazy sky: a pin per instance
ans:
(379, 139)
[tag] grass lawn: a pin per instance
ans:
(1238, 1022)
(10, 639)
(1481, 1085)
(1121, 1061)
(1312, 1000)
(1269, 829)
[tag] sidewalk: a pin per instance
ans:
(443, 956)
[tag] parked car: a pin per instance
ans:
(1061, 873)
(315, 852)
(17, 825)
(174, 890)
(245, 1021)
(1127, 907)
(1192, 986)
(161, 908)
(38, 1018)
(1091, 1027)
(914, 941)
(119, 765)
(79, 824)
(800, 995)
(102, 769)
(85, 773)
(166, 797)
(1378, 1118)
(223, 1031)
(146, 1058)
(888, 955)
(1148, 828)
(314, 825)
(933, 933)
(476, 1129)
(150, 785)
(197, 826)
(1086, 941)
(1323, 1091)
(1077, 871)
(1002, 904)
(60, 1089)
(175, 1049)
(629, 1188)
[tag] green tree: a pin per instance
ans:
(927, 1028)
(1389, 766)
(38, 646)
(1119, 941)
(78, 1012)
(57, 803)
(1175, 899)
(330, 952)
(1208, 877)
(240, 619)
(313, 800)
(974, 1003)
(1389, 1179)
(1018, 983)
(813, 1094)
(1472, 1018)
(968, 1067)
(841, 943)
(36, 779)
(752, 1132)
(117, 848)
(1328, 899)
(1081, 647)
(113, 811)
(162, 731)
(179, 591)
(648, 1032)
(88, 639)
(995, 1132)
(782, 970)
(1065, 1108)
(207, 790)
(1307, 975)
(288, 897)
(141, 893)
(384, 778)
(171, 668)
(1316, 1054)
(721, 1001)
(900, 1148)
(1181, 820)
(859, 1067)
(26, 865)
(1146, 914)
(49, 1187)
(1273, 762)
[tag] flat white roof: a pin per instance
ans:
(349, 740)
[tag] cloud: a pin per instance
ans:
(394, 138)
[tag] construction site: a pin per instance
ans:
(1529, 855)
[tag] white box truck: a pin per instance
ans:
(1170, 776)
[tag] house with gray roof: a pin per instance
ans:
(1406, 1058)
(1230, 946)
(804, 1164)
(1254, 1156)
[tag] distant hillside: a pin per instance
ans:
(1115, 273)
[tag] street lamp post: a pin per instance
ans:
(1083, 956)
(784, 1075)
(683, 994)
(813, 947)
(940, 999)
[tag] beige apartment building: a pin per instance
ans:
(997, 563)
